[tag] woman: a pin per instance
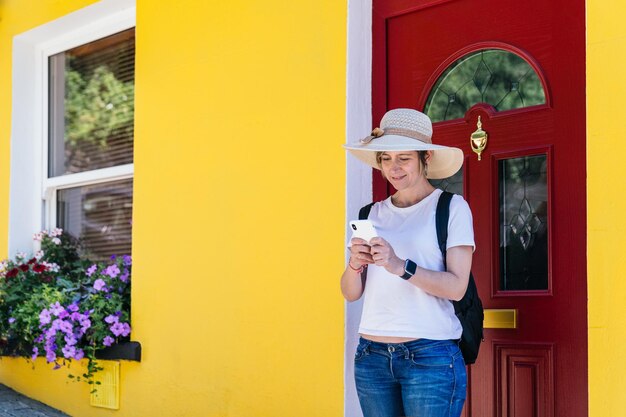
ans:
(408, 362)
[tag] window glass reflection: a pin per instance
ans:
(523, 223)
(493, 76)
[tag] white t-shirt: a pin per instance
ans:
(395, 307)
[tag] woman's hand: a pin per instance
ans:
(360, 253)
(384, 255)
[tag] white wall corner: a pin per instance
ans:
(358, 175)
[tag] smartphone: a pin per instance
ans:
(363, 229)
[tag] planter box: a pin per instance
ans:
(130, 351)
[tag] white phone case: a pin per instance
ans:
(363, 229)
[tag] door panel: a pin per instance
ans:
(532, 227)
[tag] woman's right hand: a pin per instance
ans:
(360, 253)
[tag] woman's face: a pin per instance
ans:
(402, 168)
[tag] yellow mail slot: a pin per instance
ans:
(500, 319)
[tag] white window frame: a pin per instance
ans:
(32, 199)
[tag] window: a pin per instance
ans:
(73, 129)
(90, 143)
(500, 78)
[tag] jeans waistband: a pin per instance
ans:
(411, 345)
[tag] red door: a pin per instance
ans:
(520, 66)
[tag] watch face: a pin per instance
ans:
(410, 267)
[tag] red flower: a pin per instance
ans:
(39, 268)
(12, 273)
(24, 267)
(32, 261)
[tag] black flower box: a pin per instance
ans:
(129, 351)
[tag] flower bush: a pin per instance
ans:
(57, 305)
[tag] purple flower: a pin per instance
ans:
(64, 314)
(35, 353)
(91, 270)
(99, 285)
(112, 271)
(69, 351)
(66, 327)
(56, 309)
(124, 276)
(73, 307)
(111, 319)
(76, 316)
(56, 325)
(79, 354)
(108, 341)
(113, 257)
(44, 317)
(84, 325)
(50, 355)
(127, 260)
(11, 320)
(120, 329)
(70, 340)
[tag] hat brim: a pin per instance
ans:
(444, 163)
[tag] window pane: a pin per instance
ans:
(100, 216)
(493, 76)
(523, 223)
(91, 105)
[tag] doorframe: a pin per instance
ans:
(358, 175)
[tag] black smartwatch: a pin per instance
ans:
(409, 269)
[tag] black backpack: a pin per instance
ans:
(468, 309)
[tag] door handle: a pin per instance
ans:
(500, 318)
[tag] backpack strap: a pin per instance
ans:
(442, 216)
(364, 213)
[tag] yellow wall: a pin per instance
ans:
(606, 170)
(238, 209)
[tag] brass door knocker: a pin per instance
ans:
(478, 139)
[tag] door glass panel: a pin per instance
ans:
(453, 184)
(523, 223)
(493, 76)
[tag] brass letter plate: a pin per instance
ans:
(500, 319)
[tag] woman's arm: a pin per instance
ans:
(353, 281)
(450, 284)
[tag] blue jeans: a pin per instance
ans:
(420, 378)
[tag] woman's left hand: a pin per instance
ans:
(384, 256)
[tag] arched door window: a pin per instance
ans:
(493, 76)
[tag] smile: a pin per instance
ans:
(398, 178)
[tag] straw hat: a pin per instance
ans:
(407, 130)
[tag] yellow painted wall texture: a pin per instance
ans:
(606, 170)
(238, 209)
